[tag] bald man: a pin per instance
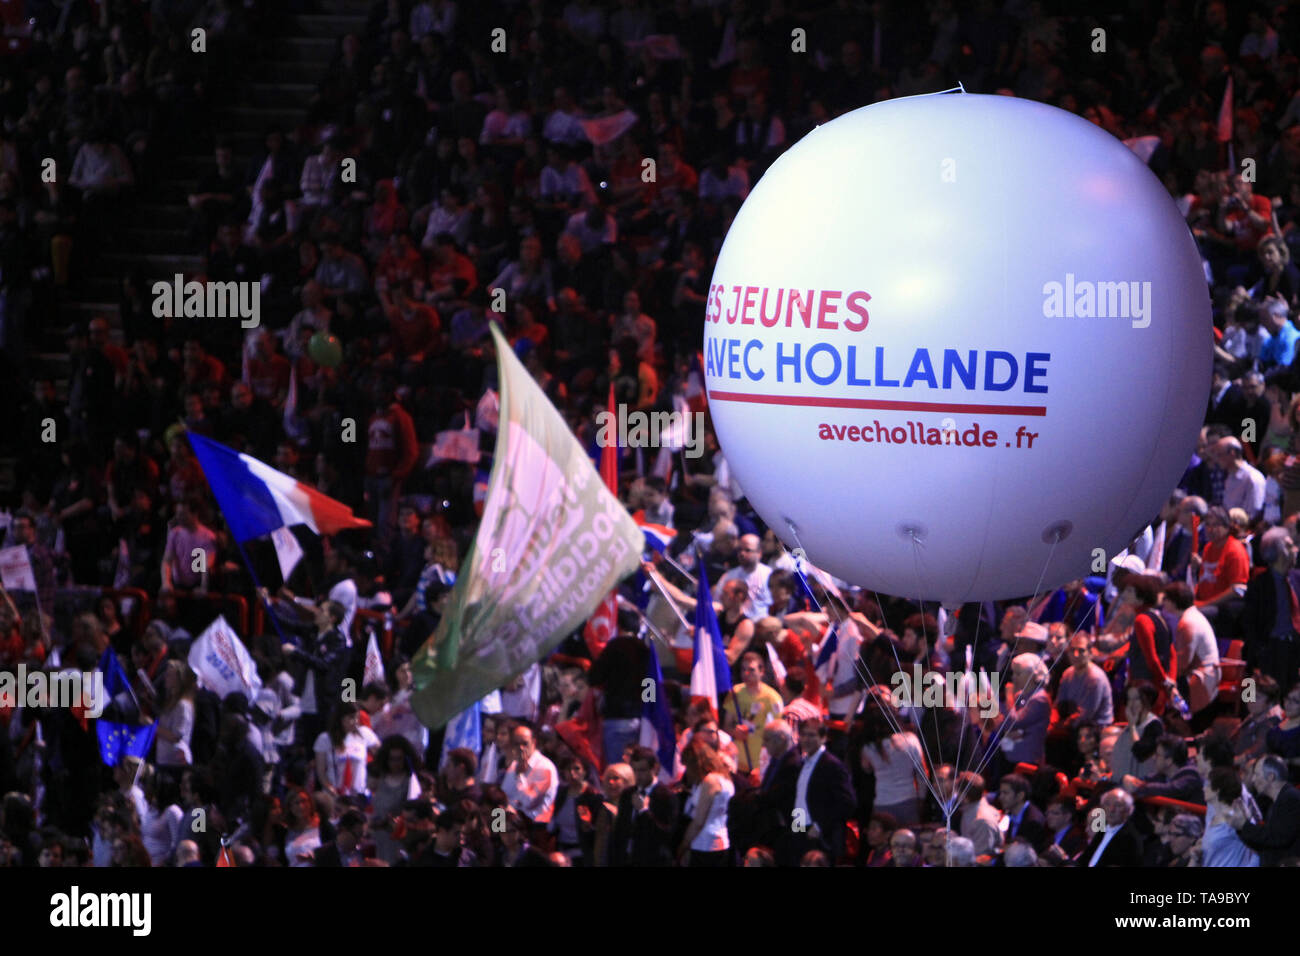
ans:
(754, 573)
(531, 781)
(187, 854)
(1243, 484)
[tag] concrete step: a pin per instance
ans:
(150, 238)
(326, 24)
(289, 71)
(318, 50)
(281, 95)
(162, 215)
(359, 8)
(253, 120)
(88, 309)
(55, 362)
(155, 263)
(103, 287)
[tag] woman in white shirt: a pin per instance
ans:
(176, 719)
(398, 717)
(394, 783)
(706, 842)
(160, 830)
(898, 762)
(302, 837)
(341, 753)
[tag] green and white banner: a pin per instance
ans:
(552, 543)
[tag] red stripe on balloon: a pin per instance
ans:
(804, 400)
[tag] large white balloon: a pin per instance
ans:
(950, 336)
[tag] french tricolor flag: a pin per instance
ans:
(657, 536)
(256, 499)
(710, 670)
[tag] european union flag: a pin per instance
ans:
(123, 740)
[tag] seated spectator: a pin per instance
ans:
(1174, 777)
(1220, 843)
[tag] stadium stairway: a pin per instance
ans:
(153, 237)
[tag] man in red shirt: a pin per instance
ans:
(1243, 216)
(391, 453)
(415, 325)
(268, 370)
(451, 275)
(1222, 567)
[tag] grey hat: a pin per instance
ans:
(162, 627)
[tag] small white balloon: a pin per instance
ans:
(951, 336)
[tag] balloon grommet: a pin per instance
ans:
(1057, 532)
(912, 531)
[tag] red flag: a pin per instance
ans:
(1225, 114)
(584, 733)
(603, 623)
(609, 454)
(224, 858)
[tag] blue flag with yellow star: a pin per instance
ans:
(123, 740)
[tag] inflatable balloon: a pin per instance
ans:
(325, 350)
(956, 343)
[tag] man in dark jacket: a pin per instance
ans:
(237, 767)
(328, 662)
(1025, 821)
(1120, 844)
(823, 797)
(1175, 777)
(345, 848)
(647, 816)
(1278, 837)
(1271, 611)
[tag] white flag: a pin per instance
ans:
(294, 426)
(374, 672)
(778, 669)
(16, 570)
(287, 550)
(222, 662)
(1157, 556)
(455, 444)
(487, 414)
(464, 730)
(122, 576)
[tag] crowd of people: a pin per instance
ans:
(438, 185)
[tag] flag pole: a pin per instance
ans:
(671, 603)
(735, 703)
(681, 570)
(259, 590)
